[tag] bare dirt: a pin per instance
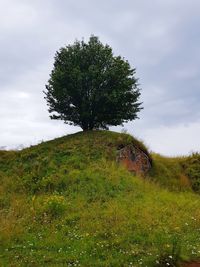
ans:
(191, 264)
(134, 159)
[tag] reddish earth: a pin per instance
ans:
(191, 264)
(134, 159)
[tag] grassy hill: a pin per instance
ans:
(67, 202)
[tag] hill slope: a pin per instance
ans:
(68, 203)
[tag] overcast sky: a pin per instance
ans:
(161, 38)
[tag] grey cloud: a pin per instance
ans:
(160, 38)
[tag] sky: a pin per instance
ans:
(160, 38)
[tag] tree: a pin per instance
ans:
(91, 87)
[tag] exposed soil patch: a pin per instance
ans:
(134, 159)
(191, 264)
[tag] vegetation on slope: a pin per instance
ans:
(68, 203)
(179, 173)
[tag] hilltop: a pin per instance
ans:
(68, 202)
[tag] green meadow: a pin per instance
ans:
(67, 202)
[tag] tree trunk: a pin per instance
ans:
(87, 126)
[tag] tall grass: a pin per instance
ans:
(68, 203)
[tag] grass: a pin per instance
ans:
(67, 202)
(169, 173)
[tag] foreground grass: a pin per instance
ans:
(68, 203)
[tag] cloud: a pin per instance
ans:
(181, 140)
(160, 38)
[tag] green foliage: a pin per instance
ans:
(92, 88)
(67, 202)
(172, 257)
(179, 173)
(65, 163)
(168, 172)
(53, 206)
(191, 166)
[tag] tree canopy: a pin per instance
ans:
(92, 88)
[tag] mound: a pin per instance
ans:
(68, 202)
